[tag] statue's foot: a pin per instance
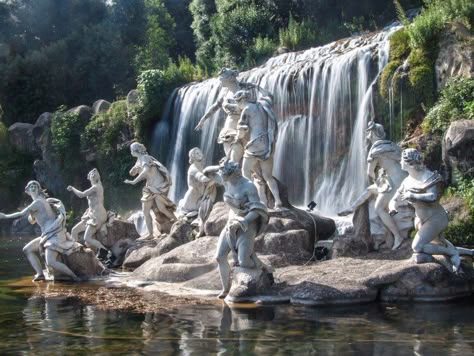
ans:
(223, 294)
(456, 261)
(38, 277)
(345, 212)
(396, 243)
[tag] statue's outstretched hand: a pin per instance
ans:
(128, 181)
(2, 216)
(69, 188)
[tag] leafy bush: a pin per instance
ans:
(298, 35)
(456, 102)
(262, 49)
(399, 45)
(424, 30)
(421, 78)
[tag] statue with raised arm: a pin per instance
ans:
(383, 155)
(155, 191)
(259, 122)
(199, 198)
(422, 189)
(50, 215)
(229, 135)
(247, 219)
(95, 217)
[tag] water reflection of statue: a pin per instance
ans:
(247, 218)
(95, 217)
(385, 156)
(158, 182)
(259, 121)
(50, 215)
(200, 196)
(229, 135)
(422, 189)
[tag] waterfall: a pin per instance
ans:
(323, 101)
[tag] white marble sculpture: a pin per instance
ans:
(247, 219)
(199, 198)
(95, 217)
(50, 215)
(258, 121)
(155, 191)
(422, 189)
(384, 155)
(229, 135)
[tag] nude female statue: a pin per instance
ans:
(383, 154)
(259, 122)
(155, 191)
(229, 136)
(422, 189)
(94, 217)
(50, 215)
(247, 219)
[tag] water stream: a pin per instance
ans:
(323, 99)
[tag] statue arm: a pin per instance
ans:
(243, 124)
(371, 169)
(393, 204)
(211, 172)
(213, 108)
(429, 197)
(201, 177)
(19, 214)
(140, 177)
(83, 194)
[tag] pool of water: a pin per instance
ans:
(34, 324)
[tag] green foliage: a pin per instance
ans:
(456, 102)
(298, 35)
(262, 49)
(399, 45)
(421, 78)
(424, 30)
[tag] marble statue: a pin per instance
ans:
(50, 215)
(201, 193)
(258, 121)
(229, 135)
(155, 191)
(384, 155)
(247, 219)
(422, 189)
(95, 217)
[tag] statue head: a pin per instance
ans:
(137, 149)
(33, 187)
(229, 168)
(94, 176)
(228, 74)
(242, 97)
(195, 155)
(375, 131)
(411, 157)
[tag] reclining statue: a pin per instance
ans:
(50, 215)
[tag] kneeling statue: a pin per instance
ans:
(50, 215)
(247, 219)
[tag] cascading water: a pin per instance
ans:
(323, 99)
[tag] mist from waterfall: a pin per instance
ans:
(323, 101)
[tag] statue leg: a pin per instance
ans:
(52, 261)
(267, 173)
(31, 250)
(224, 267)
(245, 247)
(146, 208)
(236, 152)
(248, 166)
(163, 209)
(381, 207)
(77, 229)
(429, 231)
(89, 239)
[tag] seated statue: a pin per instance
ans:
(385, 156)
(200, 196)
(229, 134)
(247, 219)
(50, 215)
(95, 216)
(155, 191)
(259, 122)
(422, 189)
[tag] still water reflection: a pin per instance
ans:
(33, 323)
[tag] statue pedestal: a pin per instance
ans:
(248, 284)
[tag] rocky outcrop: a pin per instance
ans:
(455, 57)
(100, 106)
(458, 147)
(83, 263)
(20, 135)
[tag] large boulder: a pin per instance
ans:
(20, 135)
(85, 112)
(458, 146)
(83, 262)
(100, 106)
